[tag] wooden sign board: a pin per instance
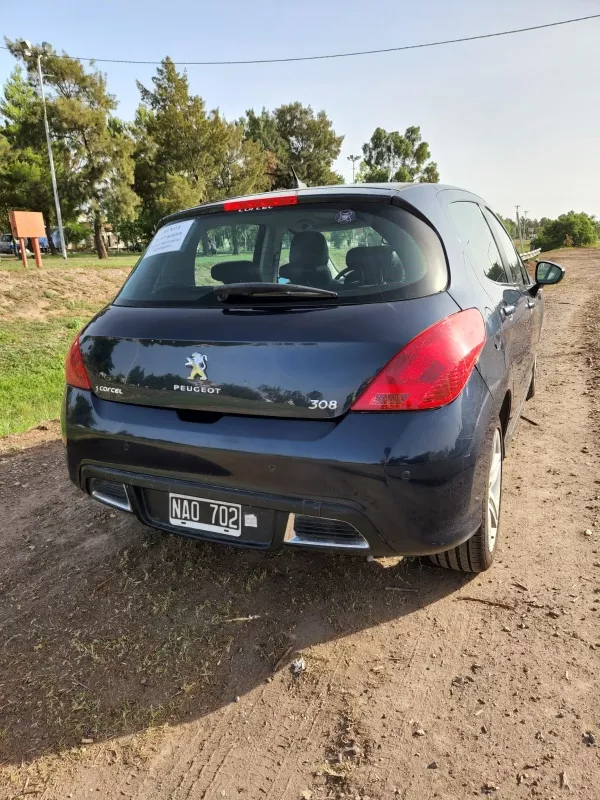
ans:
(28, 225)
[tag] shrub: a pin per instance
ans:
(569, 230)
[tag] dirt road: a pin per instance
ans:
(138, 665)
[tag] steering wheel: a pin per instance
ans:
(341, 275)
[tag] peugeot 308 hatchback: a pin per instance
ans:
(337, 368)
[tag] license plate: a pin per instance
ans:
(199, 514)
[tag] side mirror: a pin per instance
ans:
(547, 273)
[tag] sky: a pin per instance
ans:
(515, 119)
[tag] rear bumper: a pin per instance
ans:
(410, 483)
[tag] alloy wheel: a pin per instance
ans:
(494, 492)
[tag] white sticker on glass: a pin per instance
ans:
(169, 238)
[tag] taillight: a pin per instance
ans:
(261, 202)
(433, 368)
(75, 372)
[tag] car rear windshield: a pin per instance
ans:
(365, 252)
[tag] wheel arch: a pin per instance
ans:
(505, 413)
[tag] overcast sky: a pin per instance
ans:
(515, 119)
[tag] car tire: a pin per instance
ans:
(531, 391)
(477, 553)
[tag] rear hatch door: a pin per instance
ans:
(304, 362)
(376, 274)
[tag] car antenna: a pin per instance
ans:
(298, 184)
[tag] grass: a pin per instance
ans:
(87, 260)
(32, 356)
(115, 261)
(526, 245)
(119, 260)
(40, 313)
(338, 257)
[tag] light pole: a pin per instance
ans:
(353, 159)
(28, 51)
(519, 231)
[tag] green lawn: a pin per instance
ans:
(338, 257)
(203, 263)
(78, 260)
(526, 245)
(32, 357)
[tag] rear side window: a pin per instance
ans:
(365, 252)
(476, 236)
(513, 260)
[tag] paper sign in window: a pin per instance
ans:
(169, 238)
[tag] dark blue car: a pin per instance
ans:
(338, 368)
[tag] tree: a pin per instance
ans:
(130, 232)
(23, 174)
(391, 156)
(242, 168)
(24, 168)
(76, 232)
(569, 230)
(339, 238)
(185, 156)
(21, 112)
(509, 225)
(293, 136)
(172, 146)
(96, 148)
(533, 227)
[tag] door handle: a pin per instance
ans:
(507, 310)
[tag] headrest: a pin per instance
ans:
(236, 272)
(369, 257)
(309, 249)
(378, 264)
(319, 277)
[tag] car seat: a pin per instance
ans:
(309, 259)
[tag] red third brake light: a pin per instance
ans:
(433, 368)
(75, 371)
(261, 202)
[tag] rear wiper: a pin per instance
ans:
(269, 290)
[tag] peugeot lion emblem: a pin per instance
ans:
(197, 364)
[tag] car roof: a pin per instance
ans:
(418, 192)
